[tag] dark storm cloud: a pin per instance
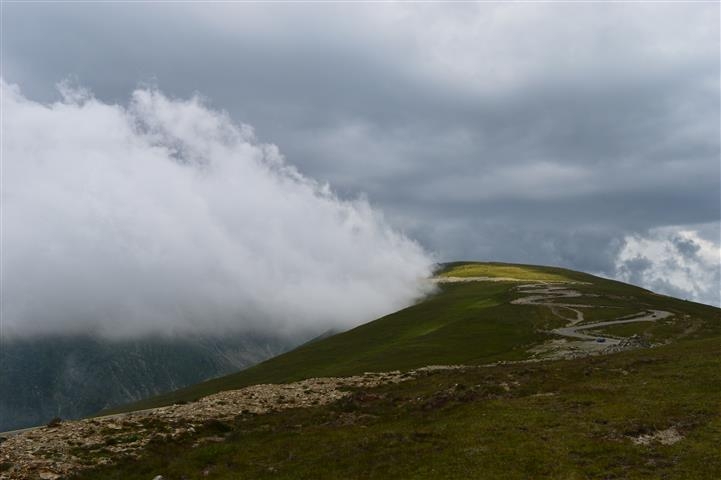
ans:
(686, 247)
(635, 267)
(546, 133)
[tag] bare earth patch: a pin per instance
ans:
(664, 437)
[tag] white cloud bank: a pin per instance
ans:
(675, 261)
(163, 216)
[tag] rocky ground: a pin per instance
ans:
(59, 449)
(62, 448)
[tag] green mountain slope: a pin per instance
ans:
(471, 322)
(642, 414)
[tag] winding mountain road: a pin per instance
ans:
(544, 295)
(573, 331)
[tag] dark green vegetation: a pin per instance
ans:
(463, 323)
(563, 420)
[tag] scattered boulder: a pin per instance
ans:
(46, 475)
(664, 437)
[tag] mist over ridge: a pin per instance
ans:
(163, 216)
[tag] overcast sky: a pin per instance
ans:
(585, 136)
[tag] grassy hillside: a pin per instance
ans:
(578, 419)
(462, 323)
(644, 413)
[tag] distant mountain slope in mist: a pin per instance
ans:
(70, 377)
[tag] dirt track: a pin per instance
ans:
(573, 331)
(547, 294)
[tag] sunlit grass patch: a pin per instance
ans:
(495, 270)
